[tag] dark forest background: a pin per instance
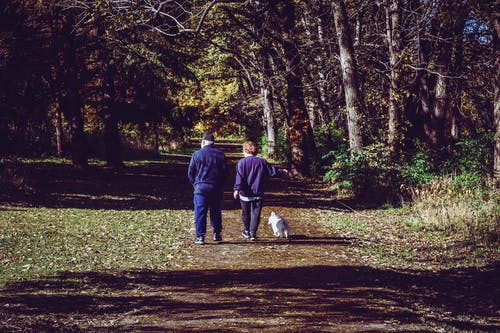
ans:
(400, 89)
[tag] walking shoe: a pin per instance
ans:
(253, 237)
(217, 237)
(245, 234)
(200, 240)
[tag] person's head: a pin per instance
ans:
(250, 148)
(207, 139)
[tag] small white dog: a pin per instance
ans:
(280, 226)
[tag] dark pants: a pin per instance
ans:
(202, 203)
(250, 215)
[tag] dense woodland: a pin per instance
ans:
(405, 82)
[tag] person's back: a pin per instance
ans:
(252, 173)
(207, 170)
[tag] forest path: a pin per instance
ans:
(299, 202)
(308, 284)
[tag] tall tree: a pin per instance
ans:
(300, 132)
(353, 97)
(450, 22)
(109, 99)
(394, 43)
(71, 101)
(496, 102)
(268, 105)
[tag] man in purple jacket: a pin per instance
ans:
(251, 177)
(207, 173)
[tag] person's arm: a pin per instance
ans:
(273, 171)
(237, 181)
(192, 170)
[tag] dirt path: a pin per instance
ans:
(310, 284)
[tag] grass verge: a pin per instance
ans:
(37, 242)
(451, 222)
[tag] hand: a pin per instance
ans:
(236, 194)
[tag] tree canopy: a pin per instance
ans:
(325, 75)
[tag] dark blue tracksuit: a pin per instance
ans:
(251, 177)
(207, 173)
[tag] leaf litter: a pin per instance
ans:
(345, 270)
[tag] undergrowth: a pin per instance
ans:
(467, 208)
(449, 222)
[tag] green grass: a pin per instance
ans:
(349, 226)
(37, 242)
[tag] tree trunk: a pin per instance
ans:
(156, 138)
(325, 115)
(112, 138)
(456, 86)
(268, 105)
(4, 133)
(269, 119)
(300, 131)
(423, 117)
(358, 29)
(456, 70)
(59, 130)
(71, 102)
(110, 111)
(73, 112)
(315, 73)
(393, 36)
(451, 21)
(439, 111)
(496, 102)
(353, 98)
(57, 76)
(111, 107)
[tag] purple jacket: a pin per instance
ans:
(251, 176)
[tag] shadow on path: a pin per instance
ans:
(346, 298)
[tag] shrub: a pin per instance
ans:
(419, 169)
(11, 178)
(282, 148)
(366, 174)
(328, 138)
(471, 155)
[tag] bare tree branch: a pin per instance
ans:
(167, 17)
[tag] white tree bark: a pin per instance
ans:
(393, 37)
(353, 99)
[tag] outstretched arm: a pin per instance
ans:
(273, 171)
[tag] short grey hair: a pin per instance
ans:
(206, 143)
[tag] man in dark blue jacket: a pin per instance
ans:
(252, 173)
(207, 173)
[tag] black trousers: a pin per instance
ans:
(250, 215)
